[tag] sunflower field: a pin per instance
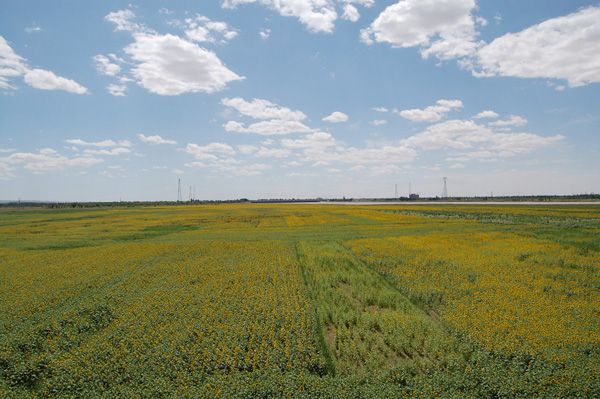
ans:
(301, 301)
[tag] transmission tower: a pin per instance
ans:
(191, 193)
(396, 192)
(179, 191)
(445, 192)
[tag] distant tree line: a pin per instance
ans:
(134, 204)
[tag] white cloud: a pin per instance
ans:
(123, 20)
(248, 170)
(273, 152)
(47, 80)
(232, 166)
(13, 65)
(105, 143)
(6, 171)
(322, 149)
(366, 3)
(351, 13)
(432, 113)
(170, 65)
(47, 161)
(513, 121)
(566, 48)
(202, 29)
(247, 149)
(315, 141)
(486, 114)
(156, 139)
(105, 67)
(264, 33)
(445, 28)
(317, 15)
(452, 133)
(114, 151)
(378, 122)
(457, 166)
(336, 117)
(262, 109)
(268, 128)
(459, 134)
(385, 155)
(380, 109)
(116, 90)
(384, 170)
(298, 174)
(33, 29)
(285, 120)
(521, 143)
(203, 152)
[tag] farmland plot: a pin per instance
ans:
(300, 301)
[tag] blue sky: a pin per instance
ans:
(109, 100)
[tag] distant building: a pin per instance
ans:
(413, 196)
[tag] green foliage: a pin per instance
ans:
(303, 301)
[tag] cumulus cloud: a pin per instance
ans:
(385, 155)
(262, 109)
(514, 120)
(247, 149)
(351, 13)
(104, 143)
(230, 166)
(200, 152)
(380, 109)
(317, 15)
(123, 19)
(13, 65)
(105, 67)
(268, 128)
(445, 29)
(47, 80)
(114, 151)
(315, 141)
(321, 149)
(264, 33)
(486, 114)
(156, 139)
(273, 152)
(116, 90)
(566, 48)
(282, 120)
(378, 122)
(170, 65)
(6, 171)
(461, 134)
(432, 113)
(202, 29)
(46, 160)
(336, 117)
